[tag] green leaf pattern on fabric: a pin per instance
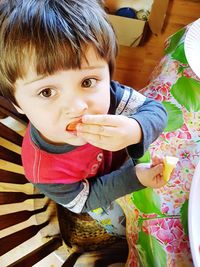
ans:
(184, 216)
(150, 251)
(174, 40)
(147, 201)
(173, 112)
(187, 93)
(179, 54)
(146, 158)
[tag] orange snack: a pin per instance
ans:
(72, 126)
(169, 165)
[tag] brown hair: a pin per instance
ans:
(54, 33)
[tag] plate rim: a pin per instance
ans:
(195, 181)
(187, 46)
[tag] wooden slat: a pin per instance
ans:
(10, 219)
(13, 240)
(2, 115)
(7, 108)
(71, 260)
(38, 254)
(12, 177)
(10, 135)
(10, 156)
(16, 197)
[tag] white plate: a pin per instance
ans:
(194, 217)
(192, 47)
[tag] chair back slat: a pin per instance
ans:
(12, 177)
(10, 135)
(7, 108)
(39, 253)
(13, 218)
(10, 155)
(13, 240)
(16, 197)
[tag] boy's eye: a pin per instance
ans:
(89, 82)
(48, 92)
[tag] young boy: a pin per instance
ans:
(57, 60)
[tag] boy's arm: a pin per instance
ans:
(95, 192)
(152, 118)
(150, 114)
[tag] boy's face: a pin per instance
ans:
(52, 102)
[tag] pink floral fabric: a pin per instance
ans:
(157, 228)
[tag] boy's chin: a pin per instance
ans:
(77, 142)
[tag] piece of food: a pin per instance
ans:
(169, 165)
(72, 126)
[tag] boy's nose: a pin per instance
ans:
(76, 106)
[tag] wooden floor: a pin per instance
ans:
(135, 64)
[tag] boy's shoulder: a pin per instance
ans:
(119, 88)
(123, 96)
(118, 92)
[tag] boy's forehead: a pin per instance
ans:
(91, 60)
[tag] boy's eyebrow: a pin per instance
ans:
(35, 80)
(84, 68)
(93, 67)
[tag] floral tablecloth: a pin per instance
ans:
(157, 220)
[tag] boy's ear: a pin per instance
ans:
(18, 109)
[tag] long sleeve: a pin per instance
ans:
(102, 190)
(149, 113)
(152, 118)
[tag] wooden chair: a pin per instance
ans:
(15, 194)
(26, 216)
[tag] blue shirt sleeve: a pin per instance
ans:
(149, 113)
(102, 190)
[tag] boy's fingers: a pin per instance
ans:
(157, 170)
(156, 160)
(96, 129)
(110, 120)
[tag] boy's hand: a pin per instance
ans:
(110, 132)
(151, 175)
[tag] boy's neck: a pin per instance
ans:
(46, 146)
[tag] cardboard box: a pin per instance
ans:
(129, 31)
